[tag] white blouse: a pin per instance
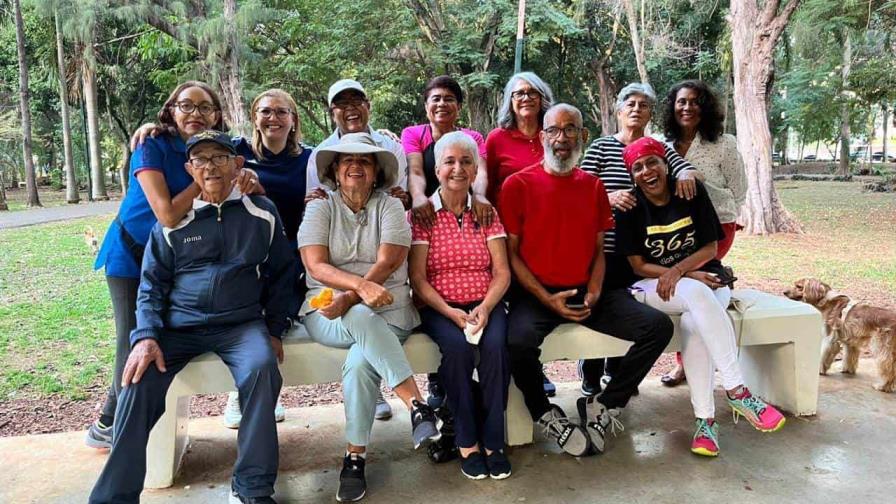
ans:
(723, 169)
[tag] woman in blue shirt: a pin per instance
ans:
(159, 189)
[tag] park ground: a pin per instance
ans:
(56, 333)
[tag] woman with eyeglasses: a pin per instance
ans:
(276, 156)
(514, 144)
(159, 189)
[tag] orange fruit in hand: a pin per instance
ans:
(323, 299)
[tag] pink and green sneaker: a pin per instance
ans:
(762, 416)
(706, 439)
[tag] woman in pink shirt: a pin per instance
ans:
(514, 144)
(459, 270)
(442, 100)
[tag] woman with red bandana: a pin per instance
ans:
(671, 244)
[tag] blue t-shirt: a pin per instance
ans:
(283, 177)
(165, 154)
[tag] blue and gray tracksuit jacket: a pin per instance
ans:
(222, 265)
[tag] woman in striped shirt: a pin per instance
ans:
(634, 109)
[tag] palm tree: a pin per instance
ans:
(24, 104)
(71, 182)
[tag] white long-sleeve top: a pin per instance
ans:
(723, 169)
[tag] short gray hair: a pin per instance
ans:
(456, 139)
(506, 117)
(572, 109)
(641, 88)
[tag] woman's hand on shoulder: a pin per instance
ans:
(316, 193)
(622, 200)
(423, 213)
(483, 211)
(686, 184)
(401, 195)
(247, 182)
(147, 130)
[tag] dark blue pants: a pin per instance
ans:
(473, 423)
(246, 350)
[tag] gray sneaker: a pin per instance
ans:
(99, 436)
(598, 420)
(383, 410)
(570, 437)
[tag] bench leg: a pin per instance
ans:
(517, 418)
(785, 375)
(168, 441)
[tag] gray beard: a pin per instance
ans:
(561, 166)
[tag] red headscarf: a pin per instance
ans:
(644, 146)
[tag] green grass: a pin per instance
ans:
(56, 332)
(57, 335)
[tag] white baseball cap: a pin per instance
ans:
(343, 85)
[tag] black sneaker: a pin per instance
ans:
(236, 498)
(589, 389)
(474, 466)
(352, 484)
(498, 465)
(570, 437)
(423, 423)
(436, 393)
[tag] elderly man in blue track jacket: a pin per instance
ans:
(221, 281)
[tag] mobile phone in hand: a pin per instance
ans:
(577, 300)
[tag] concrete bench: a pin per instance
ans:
(780, 351)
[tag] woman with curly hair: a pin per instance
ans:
(693, 127)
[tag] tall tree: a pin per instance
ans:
(755, 33)
(88, 82)
(25, 107)
(231, 84)
(71, 181)
(631, 13)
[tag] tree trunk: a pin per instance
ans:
(886, 138)
(71, 180)
(753, 38)
(124, 166)
(632, 16)
(231, 87)
(3, 205)
(88, 69)
(25, 107)
(843, 169)
(607, 100)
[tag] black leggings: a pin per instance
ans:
(123, 292)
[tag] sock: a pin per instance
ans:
(738, 392)
(361, 455)
(106, 421)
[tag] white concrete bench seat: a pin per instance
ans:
(779, 340)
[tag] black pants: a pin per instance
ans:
(123, 292)
(617, 313)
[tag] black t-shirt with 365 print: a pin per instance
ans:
(667, 234)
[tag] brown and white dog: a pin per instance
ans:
(851, 325)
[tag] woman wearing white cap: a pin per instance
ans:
(356, 242)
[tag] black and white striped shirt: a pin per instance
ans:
(604, 159)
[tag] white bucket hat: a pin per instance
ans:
(356, 143)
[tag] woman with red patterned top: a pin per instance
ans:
(514, 144)
(459, 270)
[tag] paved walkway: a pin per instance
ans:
(41, 215)
(843, 455)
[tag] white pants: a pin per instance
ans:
(707, 337)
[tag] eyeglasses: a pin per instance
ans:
(187, 107)
(525, 93)
(344, 103)
(268, 112)
(651, 162)
(218, 160)
(569, 131)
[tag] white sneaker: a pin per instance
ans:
(383, 410)
(233, 416)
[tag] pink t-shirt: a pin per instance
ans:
(417, 139)
(458, 263)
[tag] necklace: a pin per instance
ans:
(361, 214)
